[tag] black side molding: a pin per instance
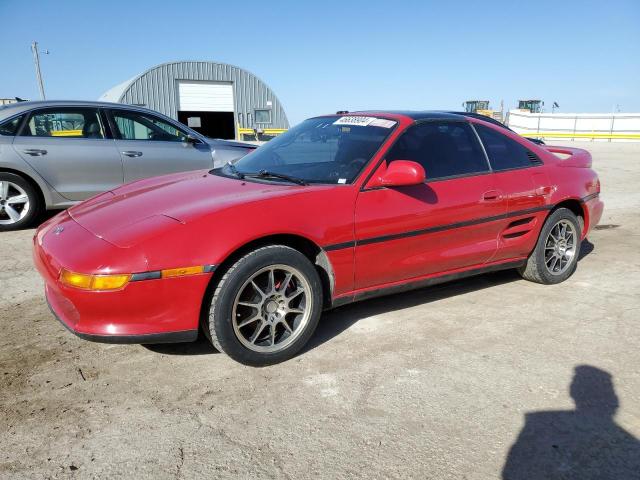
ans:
(590, 197)
(438, 228)
(339, 246)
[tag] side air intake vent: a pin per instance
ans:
(533, 158)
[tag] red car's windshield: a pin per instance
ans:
(319, 150)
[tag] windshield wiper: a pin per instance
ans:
(235, 171)
(267, 173)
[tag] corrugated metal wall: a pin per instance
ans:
(157, 89)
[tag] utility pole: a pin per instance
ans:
(36, 60)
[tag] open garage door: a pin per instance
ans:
(207, 107)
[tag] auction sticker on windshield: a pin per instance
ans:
(357, 121)
(365, 121)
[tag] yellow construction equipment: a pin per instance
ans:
(531, 106)
(481, 107)
(258, 134)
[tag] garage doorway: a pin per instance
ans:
(210, 124)
(207, 107)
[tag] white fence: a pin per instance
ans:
(588, 126)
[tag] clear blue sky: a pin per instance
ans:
(330, 55)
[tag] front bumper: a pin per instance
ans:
(145, 311)
(149, 338)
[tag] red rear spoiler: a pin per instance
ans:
(570, 157)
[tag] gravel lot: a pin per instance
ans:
(435, 383)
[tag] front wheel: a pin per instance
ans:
(555, 256)
(266, 306)
(19, 202)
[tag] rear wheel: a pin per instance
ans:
(266, 306)
(555, 256)
(19, 202)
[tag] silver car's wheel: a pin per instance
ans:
(272, 308)
(560, 247)
(14, 203)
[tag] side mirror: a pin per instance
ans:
(399, 173)
(191, 139)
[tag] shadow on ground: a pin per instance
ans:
(334, 322)
(202, 346)
(581, 444)
(586, 247)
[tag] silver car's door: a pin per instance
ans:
(151, 146)
(69, 148)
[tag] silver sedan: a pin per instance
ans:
(56, 153)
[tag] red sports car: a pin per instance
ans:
(338, 209)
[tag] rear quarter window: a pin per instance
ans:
(503, 152)
(10, 127)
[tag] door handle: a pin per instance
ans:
(491, 196)
(35, 152)
(131, 153)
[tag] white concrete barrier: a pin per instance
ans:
(607, 127)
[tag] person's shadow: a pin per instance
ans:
(583, 444)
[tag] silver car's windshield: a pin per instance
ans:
(319, 150)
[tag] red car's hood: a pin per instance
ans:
(140, 210)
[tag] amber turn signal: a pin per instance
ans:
(180, 272)
(93, 282)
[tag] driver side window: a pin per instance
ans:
(138, 126)
(444, 148)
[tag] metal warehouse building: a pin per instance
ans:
(216, 99)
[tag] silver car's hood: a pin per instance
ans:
(218, 142)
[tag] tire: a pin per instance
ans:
(540, 266)
(249, 292)
(26, 212)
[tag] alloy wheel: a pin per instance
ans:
(272, 308)
(14, 203)
(560, 247)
